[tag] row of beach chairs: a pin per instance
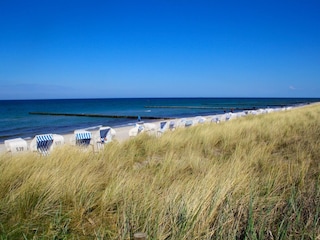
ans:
(45, 143)
(172, 125)
(185, 122)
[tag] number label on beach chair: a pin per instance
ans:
(19, 149)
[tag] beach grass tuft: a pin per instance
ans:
(256, 177)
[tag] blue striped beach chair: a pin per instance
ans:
(43, 143)
(83, 138)
(163, 127)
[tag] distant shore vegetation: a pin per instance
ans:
(256, 177)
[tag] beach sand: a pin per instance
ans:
(122, 133)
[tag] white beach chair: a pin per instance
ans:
(172, 125)
(199, 120)
(139, 128)
(150, 128)
(58, 140)
(261, 111)
(241, 114)
(16, 145)
(82, 138)
(163, 127)
(215, 120)
(253, 112)
(188, 123)
(42, 143)
(228, 116)
(103, 136)
(181, 122)
(269, 110)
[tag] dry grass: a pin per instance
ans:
(252, 178)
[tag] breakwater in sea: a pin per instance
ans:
(63, 116)
(97, 115)
(232, 108)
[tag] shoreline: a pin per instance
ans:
(59, 117)
(122, 132)
(121, 135)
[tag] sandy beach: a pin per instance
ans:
(122, 133)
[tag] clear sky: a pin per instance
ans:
(159, 48)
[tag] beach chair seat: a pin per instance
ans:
(181, 122)
(139, 128)
(163, 127)
(188, 123)
(16, 145)
(42, 143)
(229, 116)
(199, 120)
(215, 120)
(82, 138)
(172, 125)
(104, 135)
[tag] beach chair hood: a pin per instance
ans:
(42, 143)
(83, 138)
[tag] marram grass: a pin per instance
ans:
(251, 178)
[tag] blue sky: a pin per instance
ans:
(159, 48)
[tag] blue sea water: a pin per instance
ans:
(16, 120)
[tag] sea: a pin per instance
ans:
(27, 118)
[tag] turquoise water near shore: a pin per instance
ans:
(16, 120)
